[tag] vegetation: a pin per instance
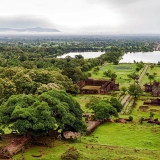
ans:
(70, 154)
(135, 90)
(34, 99)
(38, 115)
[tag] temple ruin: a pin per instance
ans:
(91, 86)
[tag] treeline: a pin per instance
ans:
(40, 47)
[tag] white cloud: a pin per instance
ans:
(83, 15)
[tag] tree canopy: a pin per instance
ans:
(104, 110)
(38, 115)
(135, 90)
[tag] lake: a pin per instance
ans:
(84, 54)
(146, 57)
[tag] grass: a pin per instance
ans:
(125, 135)
(111, 141)
(85, 98)
(122, 70)
(151, 71)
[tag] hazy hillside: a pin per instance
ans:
(38, 29)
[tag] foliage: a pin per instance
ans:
(18, 80)
(95, 70)
(141, 120)
(40, 114)
(92, 102)
(104, 110)
(150, 77)
(151, 115)
(70, 154)
(75, 74)
(116, 104)
(124, 89)
(133, 76)
(113, 55)
(130, 118)
(110, 74)
(135, 90)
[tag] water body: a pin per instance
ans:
(146, 57)
(84, 54)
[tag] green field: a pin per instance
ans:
(111, 141)
(122, 70)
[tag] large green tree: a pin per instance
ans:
(38, 115)
(116, 104)
(135, 90)
(104, 110)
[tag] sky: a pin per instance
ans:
(83, 16)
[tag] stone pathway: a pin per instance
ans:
(143, 73)
(127, 97)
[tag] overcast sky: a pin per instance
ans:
(110, 16)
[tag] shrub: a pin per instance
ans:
(70, 154)
(130, 118)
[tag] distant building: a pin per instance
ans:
(91, 86)
(153, 88)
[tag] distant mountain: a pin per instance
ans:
(38, 29)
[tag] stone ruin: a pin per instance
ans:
(104, 86)
(153, 88)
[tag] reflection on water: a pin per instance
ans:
(146, 57)
(84, 54)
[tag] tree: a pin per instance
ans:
(38, 115)
(92, 102)
(123, 89)
(23, 83)
(95, 70)
(151, 115)
(79, 56)
(110, 74)
(133, 76)
(23, 57)
(7, 88)
(152, 66)
(75, 74)
(104, 110)
(151, 77)
(135, 90)
(116, 104)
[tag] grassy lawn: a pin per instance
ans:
(128, 135)
(151, 71)
(109, 141)
(122, 70)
